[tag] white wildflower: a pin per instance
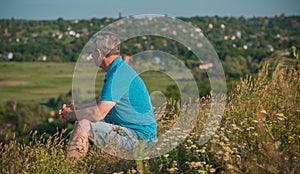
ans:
(194, 146)
(171, 170)
(220, 152)
(202, 171)
(212, 170)
(198, 164)
(263, 111)
(280, 114)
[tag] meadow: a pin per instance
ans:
(36, 82)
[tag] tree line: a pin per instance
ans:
(248, 40)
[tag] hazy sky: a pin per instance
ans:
(86, 9)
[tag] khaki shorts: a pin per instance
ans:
(113, 136)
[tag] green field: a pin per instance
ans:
(34, 82)
(37, 82)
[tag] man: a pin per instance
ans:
(124, 96)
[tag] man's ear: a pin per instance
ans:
(100, 55)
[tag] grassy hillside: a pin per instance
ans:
(259, 133)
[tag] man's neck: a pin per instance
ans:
(108, 61)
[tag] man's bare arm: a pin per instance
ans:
(96, 112)
(93, 111)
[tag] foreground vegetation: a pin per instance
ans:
(259, 133)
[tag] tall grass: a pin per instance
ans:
(259, 133)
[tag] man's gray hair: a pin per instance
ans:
(107, 42)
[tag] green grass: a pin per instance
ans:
(34, 82)
(156, 81)
(39, 81)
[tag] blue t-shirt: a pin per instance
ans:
(133, 107)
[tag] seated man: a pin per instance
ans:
(124, 96)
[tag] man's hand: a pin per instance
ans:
(67, 112)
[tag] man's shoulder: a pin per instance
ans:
(126, 70)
